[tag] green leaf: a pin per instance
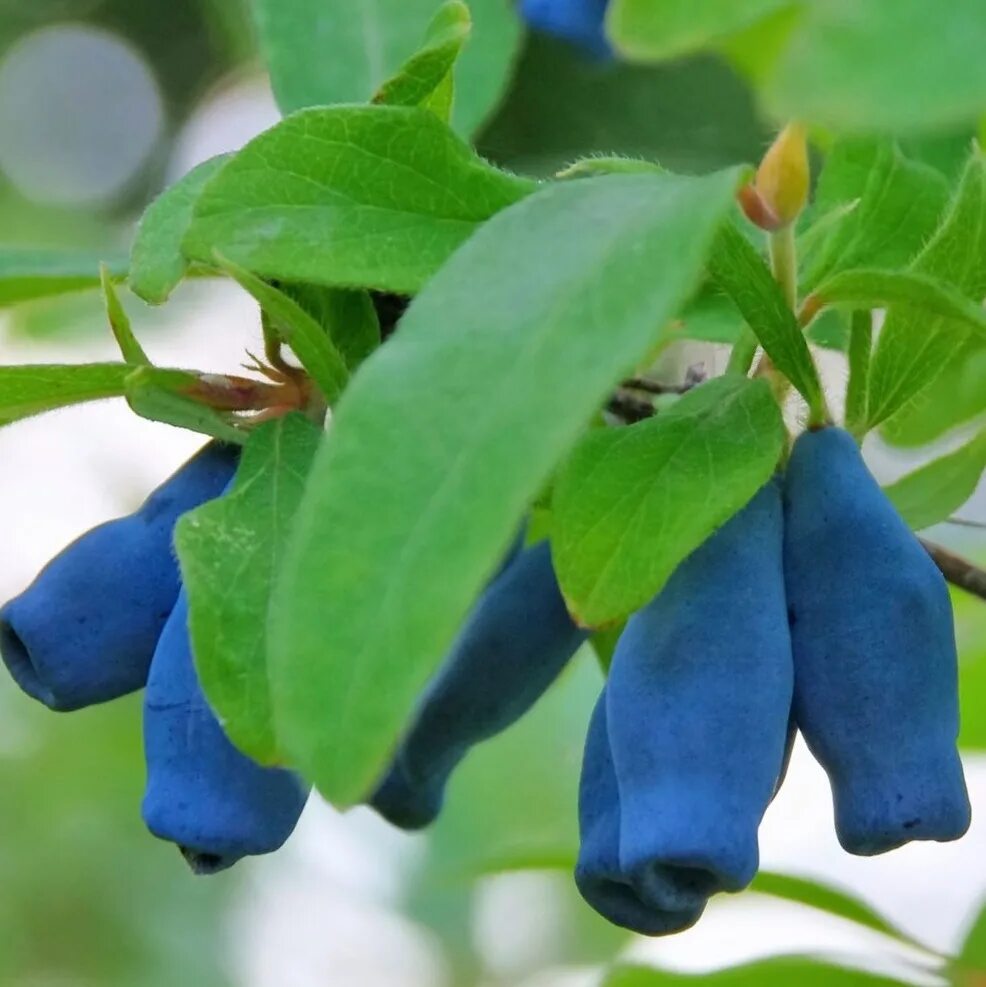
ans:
(946, 152)
(133, 353)
(754, 50)
(710, 317)
(936, 490)
(162, 395)
(830, 330)
(896, 206)
(913, 348)
(742, 274)
(860, 353)
(341, 51)
(484, 72)
(649, 31)
(970, 636)
(352, 196)
(31, 389)
(157, 264)
(871, 67)
(604, 643)
(631, 503)
(425, 78)
(298, 329)
(348, 318)
(449, 431)
(229, 550)
(814, 231)
(969, 966)
(778, 971)
(694, 115)
(954, 397)
(829, 899)
(918, 293)
(27, 274)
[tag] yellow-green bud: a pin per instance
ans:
(783, 177)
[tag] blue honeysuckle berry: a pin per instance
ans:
(202, 794)
(85, 630)
(876, 690)
(698, 708)
(599, 875)
(578, 21)
(514, 645)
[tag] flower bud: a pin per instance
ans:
(782, 180)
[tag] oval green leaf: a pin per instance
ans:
(351, 196)
(631, 503)
(448, 432)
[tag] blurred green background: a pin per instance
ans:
(102, 102)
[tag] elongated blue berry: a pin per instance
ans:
(599, 875)
(698, 703)
(515, 643)
(874, 651)
(202, 794)
(85, 630)
(578, 21)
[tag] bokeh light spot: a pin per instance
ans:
(80, 112)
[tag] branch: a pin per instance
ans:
(694, 375)
(957, 570)
(390, 308)
(654, 387)
(628, 408)
(966, 523)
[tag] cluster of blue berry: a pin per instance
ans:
(108, 616)
(813, 609)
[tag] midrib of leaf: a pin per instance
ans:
(866, 289)
(885, 181)
(641, 503)
(346, 198)
(274, 542)
(903, 220)
(273, 471)
(108, 386)
(404, 165)
(225, 594)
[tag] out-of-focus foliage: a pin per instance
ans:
(970, 632)
(188, 47)
(838, 64)
(369, 41)
(692, 116)
(509, 810)
(87, 898)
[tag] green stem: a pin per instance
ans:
(272, 341)
(783, 266)
(784, 263)
(860, 348)
(743, 353)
